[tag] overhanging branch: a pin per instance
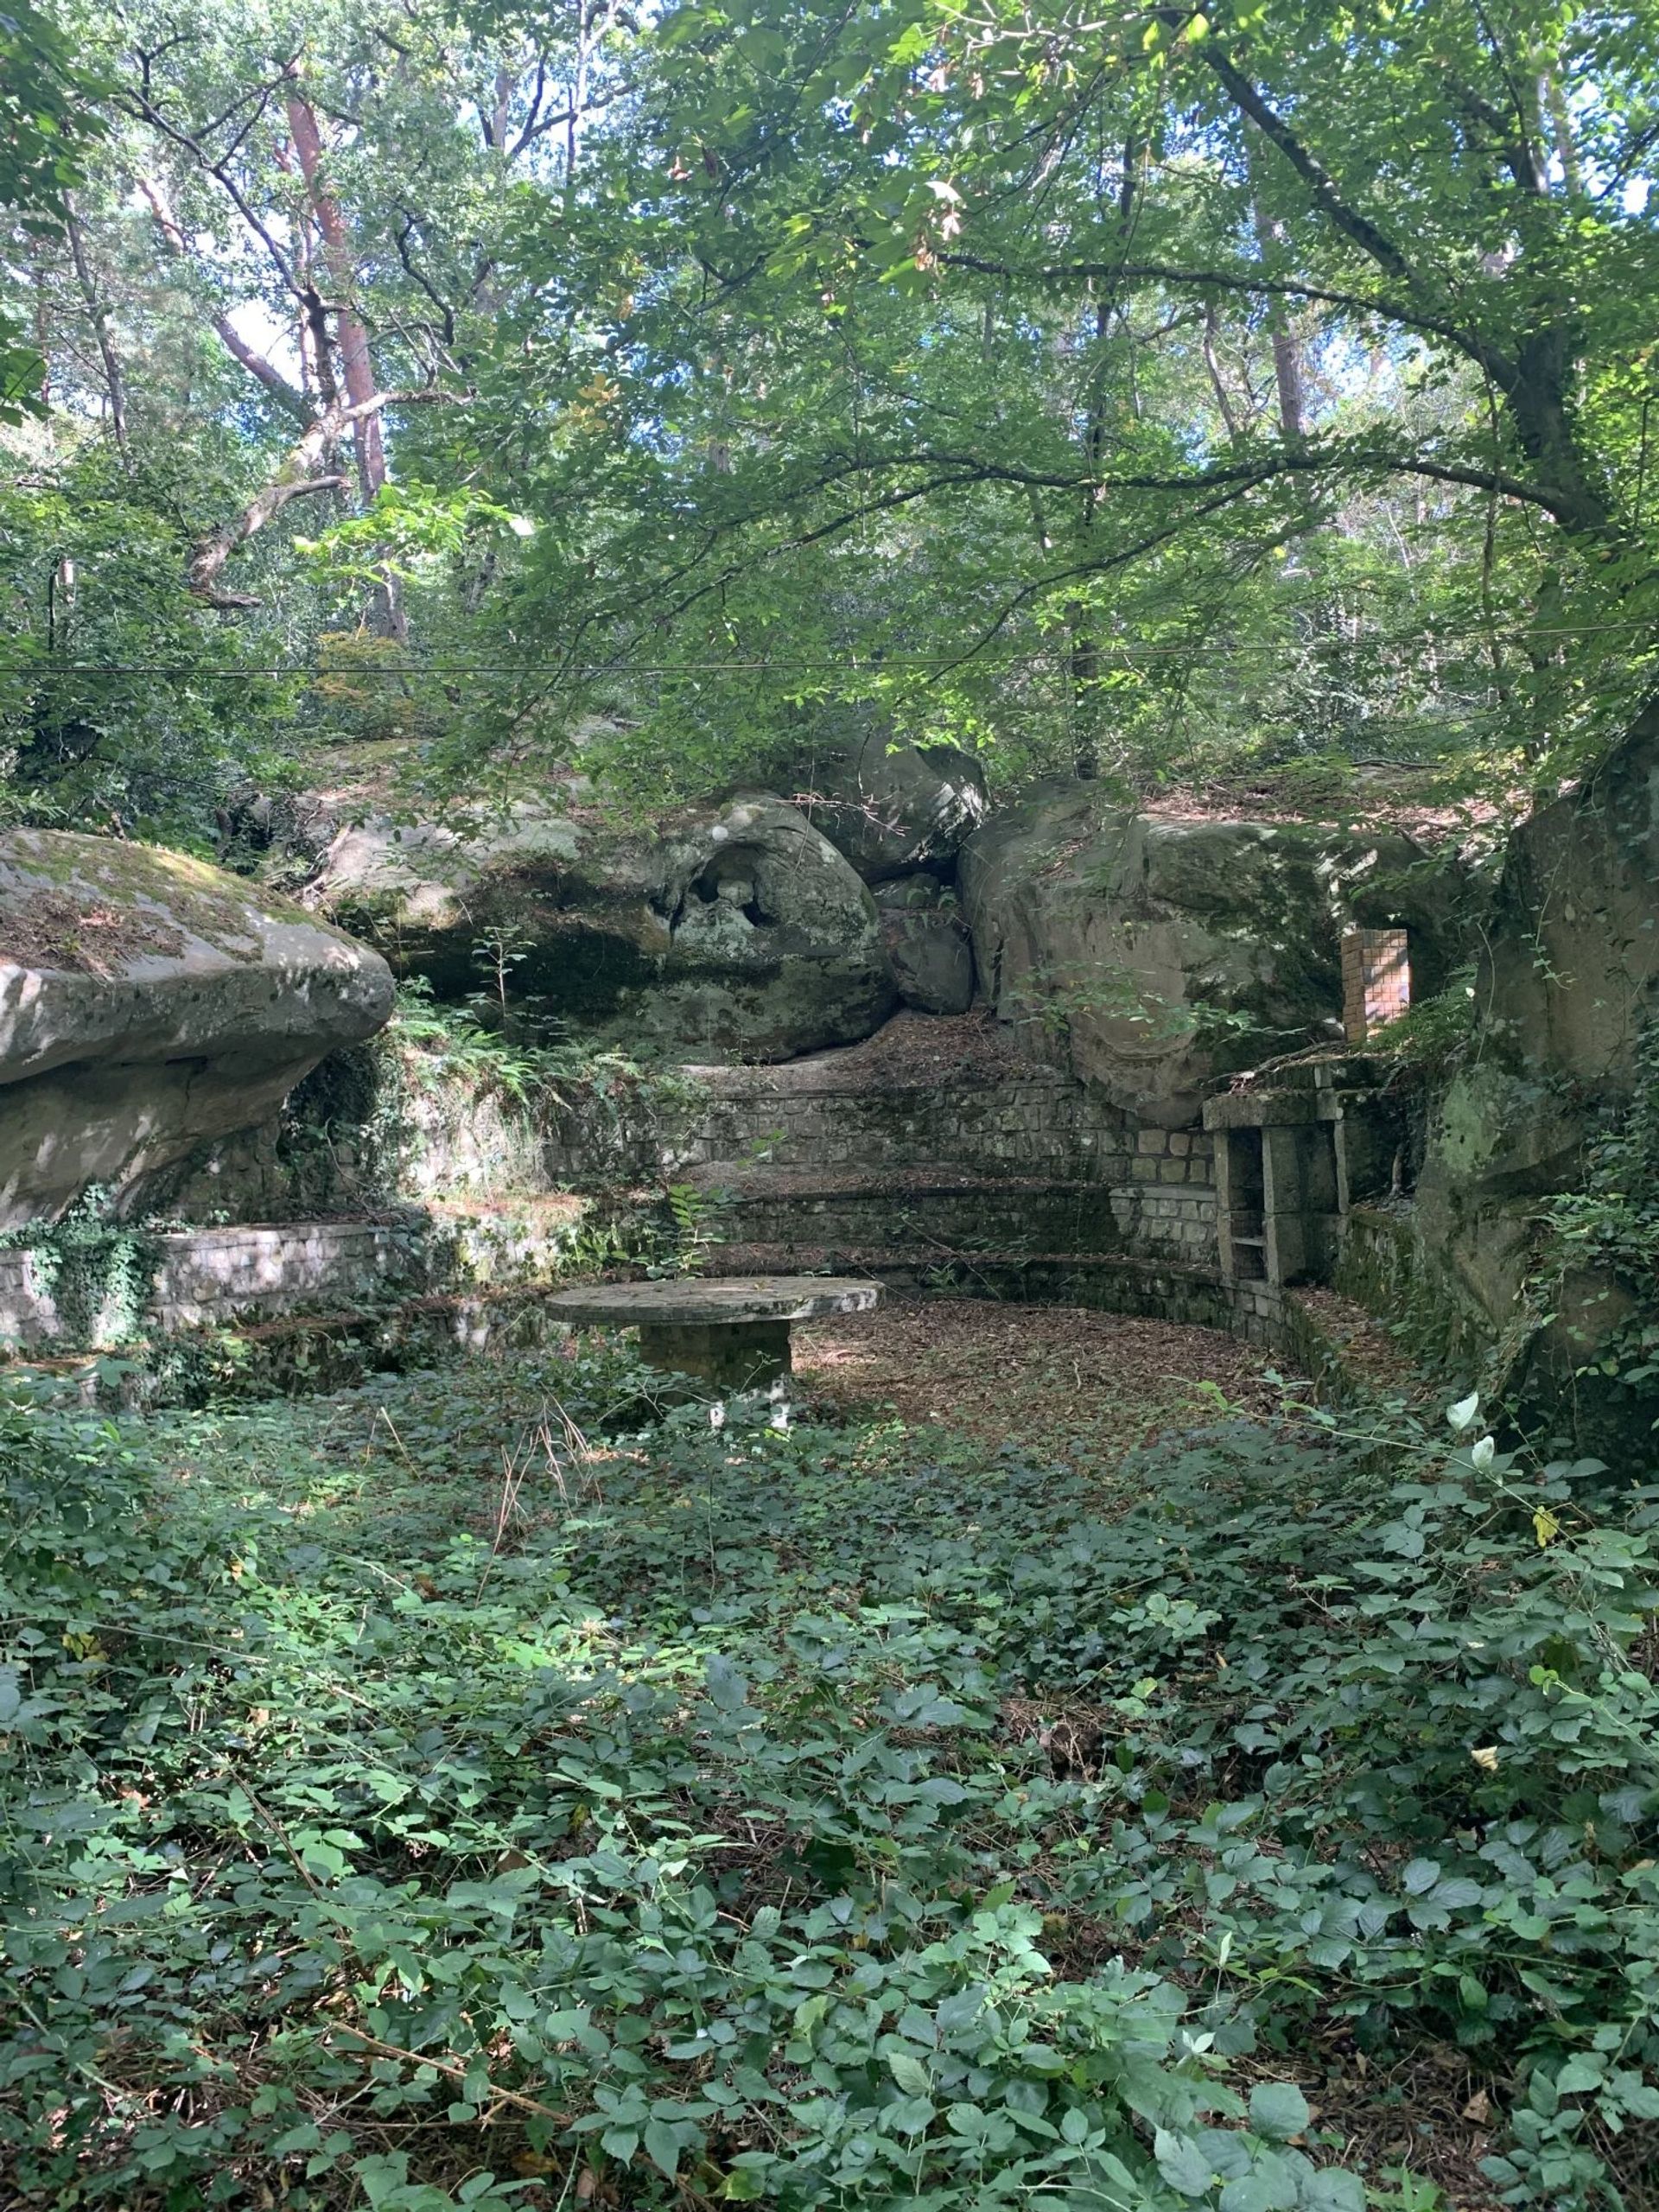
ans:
(297, 478)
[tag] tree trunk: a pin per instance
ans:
(1086, 695)
(1286, 354)
(1086, 650)
(1212, 363)
(1539, 406)
(96, 315)
(357, 364)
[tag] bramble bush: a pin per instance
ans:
(485, 1788)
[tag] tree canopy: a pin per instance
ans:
(1155, 393)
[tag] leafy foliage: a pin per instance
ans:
(46, 127)
(1182, 395)
(1431, 1033)
(96, 1269)
(401, 1790)
(121, 706)
(1612, 1222)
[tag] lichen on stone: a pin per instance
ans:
(64, 930)
(93, 904)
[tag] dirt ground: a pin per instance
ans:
(1060, 1379)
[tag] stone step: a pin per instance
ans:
(1110, 1282)
(943, 1206)
(924, 1089)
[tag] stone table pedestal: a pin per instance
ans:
(732, 1355)
(731, 1333)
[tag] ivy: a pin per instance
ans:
(97, 1270)
(1611, 1223)
(483, 1788)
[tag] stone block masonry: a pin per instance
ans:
(211, 1278)
(1033, 1125)
(934, 1143)
(848, 1151)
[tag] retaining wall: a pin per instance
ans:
(198, 1277)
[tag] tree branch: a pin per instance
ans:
(1225, 280)
(1372, 241)
(150, 112)
(294, 480)
(1306, 459)
(408, 228)
(287, 396)
(1357, 227)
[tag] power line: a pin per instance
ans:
(873, 664)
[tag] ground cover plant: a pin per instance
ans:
(409, 1804)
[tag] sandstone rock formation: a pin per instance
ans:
(1568, 981)
(1153, 956)
(891, 807)
(928, 943)
(733, 931)
(148, 1001)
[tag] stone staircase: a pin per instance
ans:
(935, 1149)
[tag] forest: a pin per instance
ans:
(981, 676)
(1052, 386)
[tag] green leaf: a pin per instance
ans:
(1249, 2193)
(1278, 2110)
(727, 1688)
(909, 2073)
(1182, 2164)
(1327, 2189)
(1639, 2098)
(663, 2146)
(1580, 2076)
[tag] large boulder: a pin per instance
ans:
(928, 943)
(147, 1003)
(889, 805)
(1153, 956)
(1572, 973)
(1567, 983)
(734, 931)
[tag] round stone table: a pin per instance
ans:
(732, 1331)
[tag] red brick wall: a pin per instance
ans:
(1376, 981)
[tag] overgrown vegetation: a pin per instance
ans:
(96, 1268)
(494, 1787)
(412, 1803)
(361, 1124)
(1612, 1223)
(1431, 1034)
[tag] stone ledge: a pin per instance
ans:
(299, 1353)
(254, 1272)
